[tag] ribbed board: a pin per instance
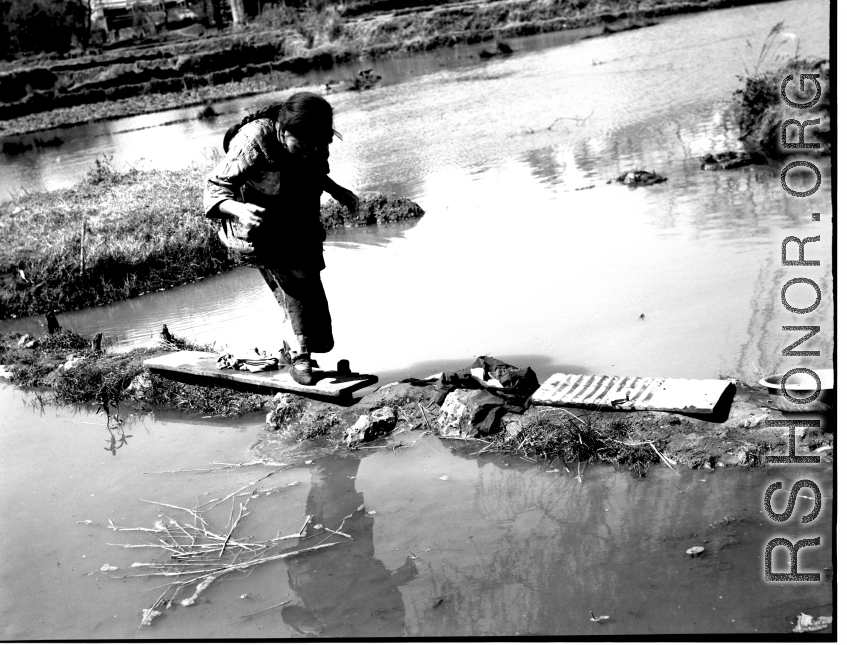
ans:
(696, 396)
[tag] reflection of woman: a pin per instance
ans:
(266, 192)
(344, 591)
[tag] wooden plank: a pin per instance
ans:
(203, 364)
(693, 396)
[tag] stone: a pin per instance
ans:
(72, 361)
(286, 407)
(455, 417)
(23, 340)
(470, 413)
(139, 385)
(373, 425)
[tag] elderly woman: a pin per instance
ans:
(266, 193)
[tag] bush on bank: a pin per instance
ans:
(760, 110)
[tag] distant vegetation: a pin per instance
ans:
(43, 26)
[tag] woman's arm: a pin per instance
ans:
(345, 197)
(223, 185)
(249, 215)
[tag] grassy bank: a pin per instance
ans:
(110, 237)
(77, 374)
(116, 235)
(568, 440)
(283, 43)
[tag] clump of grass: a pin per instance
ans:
(113, 236)
(64, 340)
(206, 399)
(103, 378)
(553, 434)
(758, 106)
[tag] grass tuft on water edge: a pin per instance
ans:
(758, 107)
(548, 434)
(65, 362)
(112, 236)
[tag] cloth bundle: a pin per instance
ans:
(252, 362)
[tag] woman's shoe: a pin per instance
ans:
(301, 371)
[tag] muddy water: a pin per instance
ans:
(513, 258)
(456, 545)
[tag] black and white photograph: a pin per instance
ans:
(442, 320)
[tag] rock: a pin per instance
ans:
(71, 361)
(23, 340)
(695, 551)
(730, 160)
(32, 344)
(139, 385)
(469, 413)
(500, 49)
(455, 417)
(286, 406)
(513, 428)
(806, 623)
(371, 426)
(635, 178)
(754, 421)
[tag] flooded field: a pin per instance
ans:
(456, 545)
(525, 253)
(512, 259)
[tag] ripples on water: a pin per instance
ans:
(457, 545)
(525, 251)
(511, 260)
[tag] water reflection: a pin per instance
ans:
(512, 259)
(507, 549)
(345, 592)
(116, 441)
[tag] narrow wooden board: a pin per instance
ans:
(693, 396)
(203, 364)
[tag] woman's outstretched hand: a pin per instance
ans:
(248, 215)
(348, 199)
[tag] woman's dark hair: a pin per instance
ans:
(303, 114)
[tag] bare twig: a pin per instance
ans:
(426, 420)
(284, 602)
